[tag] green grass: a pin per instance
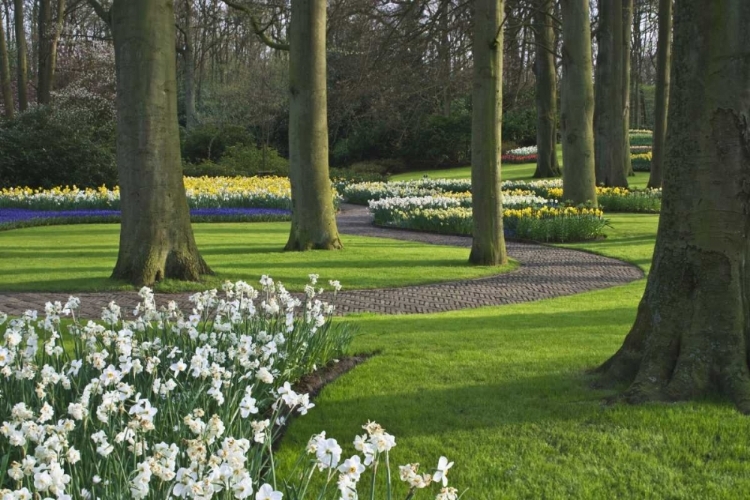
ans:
(509, 173)
(503, 392)
(81, 258)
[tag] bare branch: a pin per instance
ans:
(261, 32)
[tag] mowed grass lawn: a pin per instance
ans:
(503, 392)
(81, 257)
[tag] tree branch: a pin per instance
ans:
(260, 32)
(101, 11)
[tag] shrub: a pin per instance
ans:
(210, 142)
(70, 142)
(519, 125)
(442, 141)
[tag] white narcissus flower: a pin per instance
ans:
(352, 467)
(442, 471)
(266, 492)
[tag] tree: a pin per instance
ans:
(313, 214)
(627, 23)
(690, 336)
(22, 69)
(546, 91)
(488, 243)
(49, 35)
(5, 87)
(663, 53)
(577, 102)
(156, 239)
(188, 58)
(609, 128)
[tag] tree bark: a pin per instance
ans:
(609, 128)
(691, 336)
(577, 99)
(44, 69)
(188, 58)
(156, 239)
(627, 27)
(546, 91)
(663, 54)
(313, 214)
(22, 68)
(488, 243)
(7, 91)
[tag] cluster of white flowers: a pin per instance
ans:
(414, 202)
(150, 406)
(525, 151)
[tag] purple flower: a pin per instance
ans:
(9, 215)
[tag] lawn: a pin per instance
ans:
(503, 392)
(81, 257)
(509, 173)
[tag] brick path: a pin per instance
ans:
(545, 272)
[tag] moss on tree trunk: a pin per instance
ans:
(313, 214)
(156, 239)
(488, 243)
(577, 103)
(546, 91)
(691, 336)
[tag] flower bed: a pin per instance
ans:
(524, 151)
(362, 193)
(525, 217)
(641, 161)
(177, 405)
(202, 192)
(641, 138)
(518, 159)
(11, 218)
(608, 199)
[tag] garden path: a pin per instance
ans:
(545, 272)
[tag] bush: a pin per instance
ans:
(247, 161)
(443, 141)
(210, 142)
(52, 146)
(519, 126)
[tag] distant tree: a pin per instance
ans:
(577, 100)
(609, 111)
(22, 68)
(5, 86)
(663, 56)
(690, 336)
(488, 243)
(546, 90)
(156, 239)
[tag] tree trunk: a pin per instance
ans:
(21, 64)
(577, 102)
(7, 91)
(188, 57)
(313, 214)
(488, 243)
(609, 128)
(546, 91)
(44, 70)
(156, 239)
(692, 332)
(627, 26)
(663, 53)
(444, 56)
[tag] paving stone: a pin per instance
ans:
(544, 272)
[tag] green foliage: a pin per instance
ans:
(242, 160)
(519, 126)
(53, 146)
(441, 141)
(210, 142)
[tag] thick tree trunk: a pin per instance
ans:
(546, 91)
(609, 128)
(577, 99)
(488, 243)
(22, 68)
(5, 87)
(692, 333)
(663, 54)
(627, 26)
(313, 214)
(188, 58)
(156, 239)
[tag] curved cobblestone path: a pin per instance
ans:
(545, 272)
